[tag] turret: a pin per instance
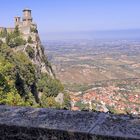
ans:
(27, 18)
(17, 21)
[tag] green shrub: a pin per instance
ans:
(30, 40)
(49, 102)
(1, 42)
(14, 39)
(33, 30)
(30, 51)
(3, 33)
(18, 41)
(49, 86)
(81, 105)
(67, 101)
(16, 32)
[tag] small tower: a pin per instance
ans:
(27, 17)
(17, 21)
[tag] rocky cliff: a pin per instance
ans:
(35, 52)
(27, 77)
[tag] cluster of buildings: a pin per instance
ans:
(106, 99)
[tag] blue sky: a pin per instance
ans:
(75, 15)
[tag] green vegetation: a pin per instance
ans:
(67, 103)
(78, 87)
(17, 76)
(30, 51)
(13, 39)
(49, 86)
(14, 42)
(30, 40)
(112, 109)
(3, 33)
(33, 30)
(81, 105)
(1, 42)
(49, 102)
(20, 81)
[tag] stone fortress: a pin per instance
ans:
(28, 29)
(26, 25)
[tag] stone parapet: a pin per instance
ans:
(18, 123)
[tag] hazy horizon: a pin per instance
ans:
(100, 34)
(55, 17)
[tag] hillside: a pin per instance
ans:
(101, 75)
(26, 76)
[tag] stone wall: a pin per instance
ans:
(1, 29)
(19, 123)
(9, 30)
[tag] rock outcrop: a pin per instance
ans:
(29, 32)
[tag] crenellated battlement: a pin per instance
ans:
(25, 25)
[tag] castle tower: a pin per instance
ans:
(27, 17)
(17, 21)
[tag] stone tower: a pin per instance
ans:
(17, 21)
(27, 17)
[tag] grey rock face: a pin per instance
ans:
(48, 124)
